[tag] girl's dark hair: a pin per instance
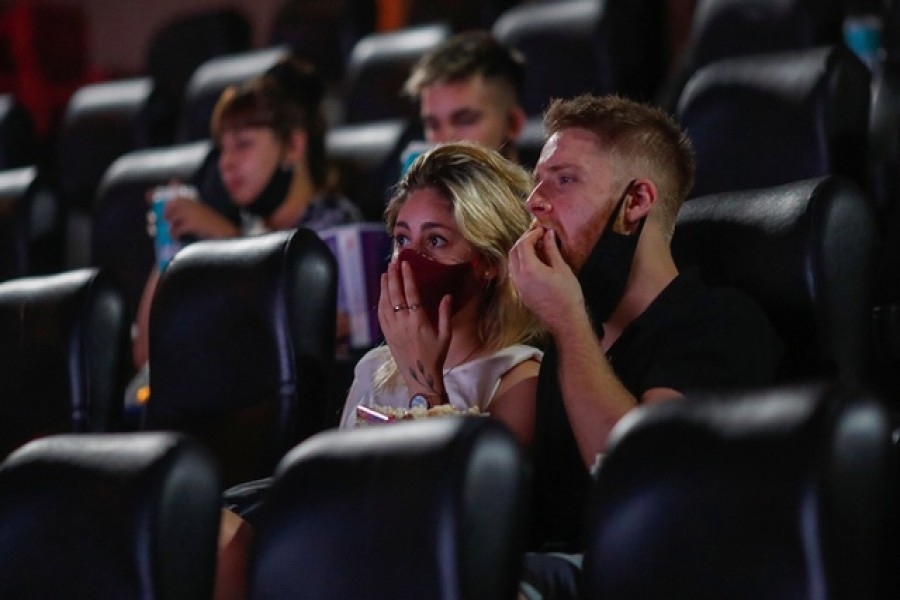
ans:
(286, 97)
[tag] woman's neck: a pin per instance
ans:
(465, 343)
(299, 196)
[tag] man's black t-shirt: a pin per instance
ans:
(692, 337)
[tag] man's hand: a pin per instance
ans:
(545, 281)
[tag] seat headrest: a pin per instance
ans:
(212, 77)
(108, 515)
(119, 239)
(809, 113)
(805, 252)
(242, 338)
(64, 346)
(378, 67)
(437, 503)
(750, 498)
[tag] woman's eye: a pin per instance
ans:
(400, 241)
(436, 241)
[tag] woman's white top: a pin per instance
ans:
(469, 385)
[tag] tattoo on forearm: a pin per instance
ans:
(421, 377)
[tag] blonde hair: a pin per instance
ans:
(487, 195)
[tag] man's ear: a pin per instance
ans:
(296, 147)
(516, 123)
(640, 199)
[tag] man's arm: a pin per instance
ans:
(593, 396)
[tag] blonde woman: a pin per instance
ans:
(456, 331)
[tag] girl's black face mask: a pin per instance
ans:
(605, 272)
(434, 280)
(273, 194)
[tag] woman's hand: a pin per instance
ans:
(418, 348)
(190, 217)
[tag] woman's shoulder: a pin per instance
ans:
(500, 361)
(516, 354)
(372, 359)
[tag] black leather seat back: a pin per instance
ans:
(378, 67)
(119, 238)
(18, 139)
(109, 516)
(17, 189)
(730, 28)
(426, 509)
(212, 77)
(805, 252)
(242, 337)
(63, 339)
(783, 493)
(549, 36)
(177, 49)
(100, 125)
(771, 119)
(367, 157)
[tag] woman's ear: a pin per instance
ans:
(489, 273)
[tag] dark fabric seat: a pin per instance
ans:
(784, 493)
(88, 516)
(242, 341)
(377, 69)
(805, 251)
(210, 80)
(771, 119)
(426, 509)
(63, 339)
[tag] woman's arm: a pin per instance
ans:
(513, 403)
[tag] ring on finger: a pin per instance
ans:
(399, 307)
(413, 307)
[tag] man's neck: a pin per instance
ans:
(652, 270)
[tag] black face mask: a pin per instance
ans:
(273, 194)
(605, 272)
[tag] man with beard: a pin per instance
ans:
(626, 326)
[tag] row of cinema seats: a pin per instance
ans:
(242, 347)
(105, 120)
(429, 509)
(824, 113)
(787, 493)
(242, 331)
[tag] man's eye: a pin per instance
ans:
(468, 119)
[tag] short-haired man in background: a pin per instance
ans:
(468, 89)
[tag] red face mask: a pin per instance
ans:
(434, 280)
